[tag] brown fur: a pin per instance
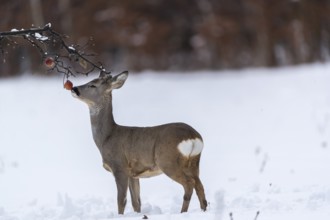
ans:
(131, 153)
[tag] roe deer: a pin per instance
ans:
(131, 153)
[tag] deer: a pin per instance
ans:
(130, 153)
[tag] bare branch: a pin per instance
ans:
(45, 38)
(25, 32)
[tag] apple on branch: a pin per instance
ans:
(49, 62)
(68, 85)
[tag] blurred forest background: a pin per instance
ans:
(176, 34)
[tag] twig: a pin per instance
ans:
(231, 216)
(257, 215)
(25, 32)
(45, 37)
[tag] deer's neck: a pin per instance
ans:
(102, 121)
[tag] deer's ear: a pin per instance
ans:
(119, 80)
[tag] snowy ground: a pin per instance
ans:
(266, 134)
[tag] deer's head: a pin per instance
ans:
(98, 91)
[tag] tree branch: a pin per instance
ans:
(45, 37)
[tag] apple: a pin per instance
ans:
(49, 62)
(68, 85)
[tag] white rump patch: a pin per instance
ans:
(191, 147)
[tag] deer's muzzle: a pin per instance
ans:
(75, 91)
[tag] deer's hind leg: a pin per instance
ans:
(193, 169)
(188, 185)
(200, 193)
(184, 169)
(177, 174)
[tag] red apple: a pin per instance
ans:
(68, 85)
(50, 62)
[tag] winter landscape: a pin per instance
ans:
(266, 155)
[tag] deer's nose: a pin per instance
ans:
(75, 90)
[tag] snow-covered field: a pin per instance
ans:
(266, 134)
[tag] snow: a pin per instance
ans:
(266, 145)
(72, 48)
(40, 37)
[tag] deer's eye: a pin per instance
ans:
(91, 86)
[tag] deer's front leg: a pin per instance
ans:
(122, 186)
(134, 188)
